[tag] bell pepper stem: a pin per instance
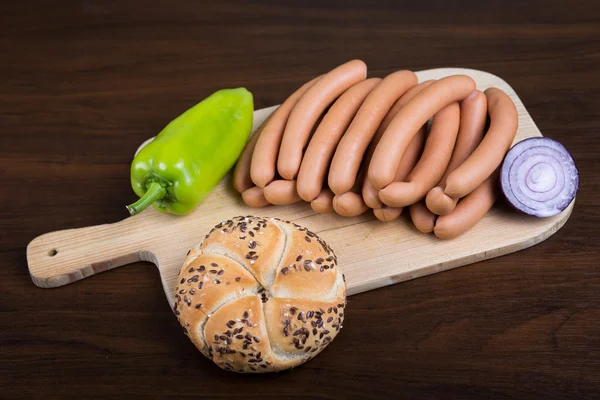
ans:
(154, 192)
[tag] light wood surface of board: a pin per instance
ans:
(371, 253)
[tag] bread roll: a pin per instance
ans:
(260, 295)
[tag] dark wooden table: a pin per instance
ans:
(84, 82)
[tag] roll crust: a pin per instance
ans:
(260, 295)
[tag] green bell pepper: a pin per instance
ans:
(189, 157)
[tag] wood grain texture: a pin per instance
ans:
(85, 82)
(372, 254)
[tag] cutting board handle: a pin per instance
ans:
(59, 258)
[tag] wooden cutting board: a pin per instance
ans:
(371, 253)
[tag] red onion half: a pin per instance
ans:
(539, 177)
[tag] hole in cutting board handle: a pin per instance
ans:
(53, 252)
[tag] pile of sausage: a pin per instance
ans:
(346, 143)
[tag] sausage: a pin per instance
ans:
(264, 156)
(387, 213)
(422, 218)
(309, 108)
(469, 211)
(433, 162)
(407, 164)
(489, 154)
(411, 156)
(351, 203)
(504, 122)
(473, 115)
(320, 149)
(350, 151)
(255, 197)
(323, 203)
(281, 192)
(241, 172)
(370, 193)
(414, 115)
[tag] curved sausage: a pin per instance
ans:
(369, 192)
(241, 172)
(433, 161)
(351, 149)
(264, 156)
(423, 219)
(281, 192)
(254, 197)
(323, 203)
(371, 195)
(317, 157)
(414, 115)
(351, 203)
(407, 164)
(309, 108)
(504, 122)
(469, 211)
(473, 115)
(411, 156)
